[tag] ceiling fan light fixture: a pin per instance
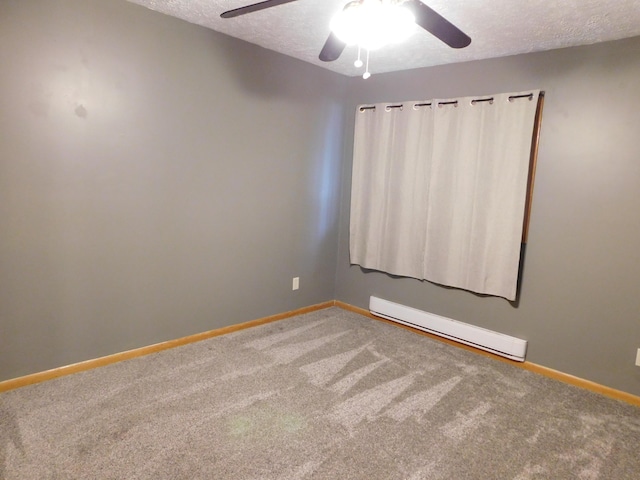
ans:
(372, 24)
(400, 23)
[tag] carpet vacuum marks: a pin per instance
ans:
(325, 395)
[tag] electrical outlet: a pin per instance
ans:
(296, 283)
(638, 358)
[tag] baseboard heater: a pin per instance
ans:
(494, 342)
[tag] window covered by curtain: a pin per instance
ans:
(439, 189)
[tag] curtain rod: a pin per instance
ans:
(450, 102)
(526, 95)
(479, 100)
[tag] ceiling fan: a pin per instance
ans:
(422, 15)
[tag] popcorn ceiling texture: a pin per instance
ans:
(497, 27)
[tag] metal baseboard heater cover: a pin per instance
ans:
(490, 341)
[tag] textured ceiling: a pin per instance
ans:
(497, 28)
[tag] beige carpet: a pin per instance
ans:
(326, 395)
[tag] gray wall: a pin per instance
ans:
(157, 179)
(580, 299)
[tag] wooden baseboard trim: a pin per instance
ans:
(532, 367)
(158, 347)
(582, 383)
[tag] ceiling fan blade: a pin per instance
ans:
(253, 8)
(437, 25)
(332, 49)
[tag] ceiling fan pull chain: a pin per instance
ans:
(358, 62)
(367, 73)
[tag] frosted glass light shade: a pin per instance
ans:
(371, 24)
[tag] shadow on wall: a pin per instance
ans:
(268, 74)
(515, 303)
(10, 436)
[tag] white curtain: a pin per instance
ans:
(439, 189)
